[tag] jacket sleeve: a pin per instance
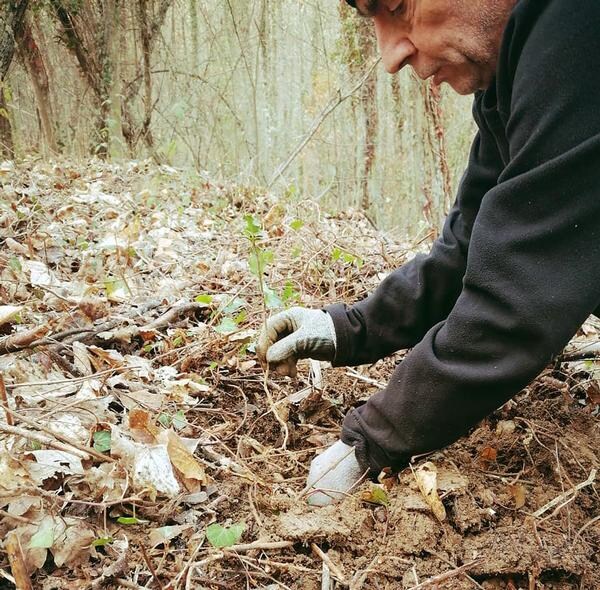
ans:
(421, 293)
(533, 267)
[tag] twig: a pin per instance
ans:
(265, 546)
(588, 351)
(151, 567)
(21, 340)
(61, 437)
(585, 527)
(275, 411)
(74, 380)
(326, 559)
(333, 103)
(164, 320)
(360, 577)
(326, 577)
(4, 399)
(17, 562)
(6, 576)
(565, 495)
(45, 440)
(357, 375)
(435, 580)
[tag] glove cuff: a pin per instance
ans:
(332, 334)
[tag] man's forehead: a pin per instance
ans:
(364, 7)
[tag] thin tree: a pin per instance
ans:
(12, 15)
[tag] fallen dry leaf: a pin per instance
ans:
(187, 466)
(426, 476)
(518, 493)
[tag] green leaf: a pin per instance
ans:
(165, 420)
(179, 420)
(272, 301)
(297, 224)
(289, 293)
(240, 317)
(220, 536)
(227, 326)
(116, 289)
(203, 299)
(102, 541)
(15, 264)
(253, 228)
(102, 441)
(233, 306)
(129, 520)
(44, 537)
(376, 495)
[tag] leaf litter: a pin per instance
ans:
(139, 447)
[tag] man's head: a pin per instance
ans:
(455, 41)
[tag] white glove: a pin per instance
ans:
(294, 334)
(335, 472)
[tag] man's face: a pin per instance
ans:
(453, 41)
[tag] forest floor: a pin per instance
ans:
(142, 445)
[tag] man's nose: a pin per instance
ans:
(394, 45)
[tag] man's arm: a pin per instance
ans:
(533, 268)
(422, 292)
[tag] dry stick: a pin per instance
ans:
(4, 399)
(275, 411)
(332, 567)
(459, 571)
(17, 562)
(21, 340)
(151, 567)
(585, 527)
(6, 576)
(73, 380)
(61, 437)
(162, 321)
(565, 495)
(265, 546)
(326, 578)
(360, 577)
(585, 352)
(44, 440)
(333, 103)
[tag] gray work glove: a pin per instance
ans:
(335, 472)
(294, 334)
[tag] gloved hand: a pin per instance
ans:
(294, 334)
(334, 471)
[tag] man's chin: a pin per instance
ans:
(465, 86)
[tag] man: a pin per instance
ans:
(517, 268)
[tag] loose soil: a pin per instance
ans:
(497, 484)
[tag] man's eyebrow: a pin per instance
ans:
(366, 9)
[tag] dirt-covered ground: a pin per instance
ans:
(142, 445)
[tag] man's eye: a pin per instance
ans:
(396, 9)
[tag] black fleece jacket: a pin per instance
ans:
(517, 268)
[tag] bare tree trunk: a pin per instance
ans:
(32, 58)
(92, 32)
(145, 35)
(12, 14)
